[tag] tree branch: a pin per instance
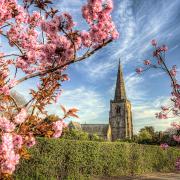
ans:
(86, 55)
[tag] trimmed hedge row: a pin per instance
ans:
(67, 159)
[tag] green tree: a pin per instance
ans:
(95, 137)
(149, 129)
(145, 137)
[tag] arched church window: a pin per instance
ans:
(118, 110)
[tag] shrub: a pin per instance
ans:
(70, 159)
(75, 134)
(95, 137)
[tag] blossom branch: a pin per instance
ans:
(61, 66)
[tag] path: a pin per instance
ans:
(155, 176)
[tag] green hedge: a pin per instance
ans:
(67, 159)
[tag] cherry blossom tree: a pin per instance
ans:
(159, 62)
(172, 110)
(43, 44)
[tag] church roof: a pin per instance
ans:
(99, 129)
(120, 92)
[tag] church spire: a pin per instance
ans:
(120, 92)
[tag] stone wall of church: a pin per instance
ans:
(129, 125)
(120, 119)
(99, 129)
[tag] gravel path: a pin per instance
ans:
(155, 176)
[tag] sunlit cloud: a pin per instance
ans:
(90, 104)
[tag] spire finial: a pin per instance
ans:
(120, 92)
(119, 61)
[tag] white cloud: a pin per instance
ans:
(144, 114)
(155, 75)
(174, 48)
(124, 17)
(100, 70)
(89, 102)
(134, 87)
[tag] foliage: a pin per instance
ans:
(66, 159)
(95, 137)
(148, 135)
(42, 43)
(126, 140)
(145, 136)
(76, 134)
(149, 129)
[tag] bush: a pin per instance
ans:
(67, 159)
(75, 134)
(95, 137)
(145, 137)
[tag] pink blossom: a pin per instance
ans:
(5, 90)
(86, 39)
(108, 6)
(57, 97)
(176, 125)
(161, 115)
(139, 70)
(8, 157)
(6, 125)
(17, 141)
(21, 117)
(147, 62)
(30, 140)
(21, 15)
(4, 73)
(164, 146)
(57, 134)
(35, 19)
(65, 77)
(20, 63)
(58, 128)
(164, 108)
(177, 103)
(164, 48)
(67, 21)
(177, 165)
(115, 34)
(173, 72)
(97, 15)
(176, 138)
(12, 83)
(177, 86)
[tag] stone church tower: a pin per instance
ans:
(120, 115)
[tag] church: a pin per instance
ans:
(120, 115)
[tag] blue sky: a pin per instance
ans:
(93, 81)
